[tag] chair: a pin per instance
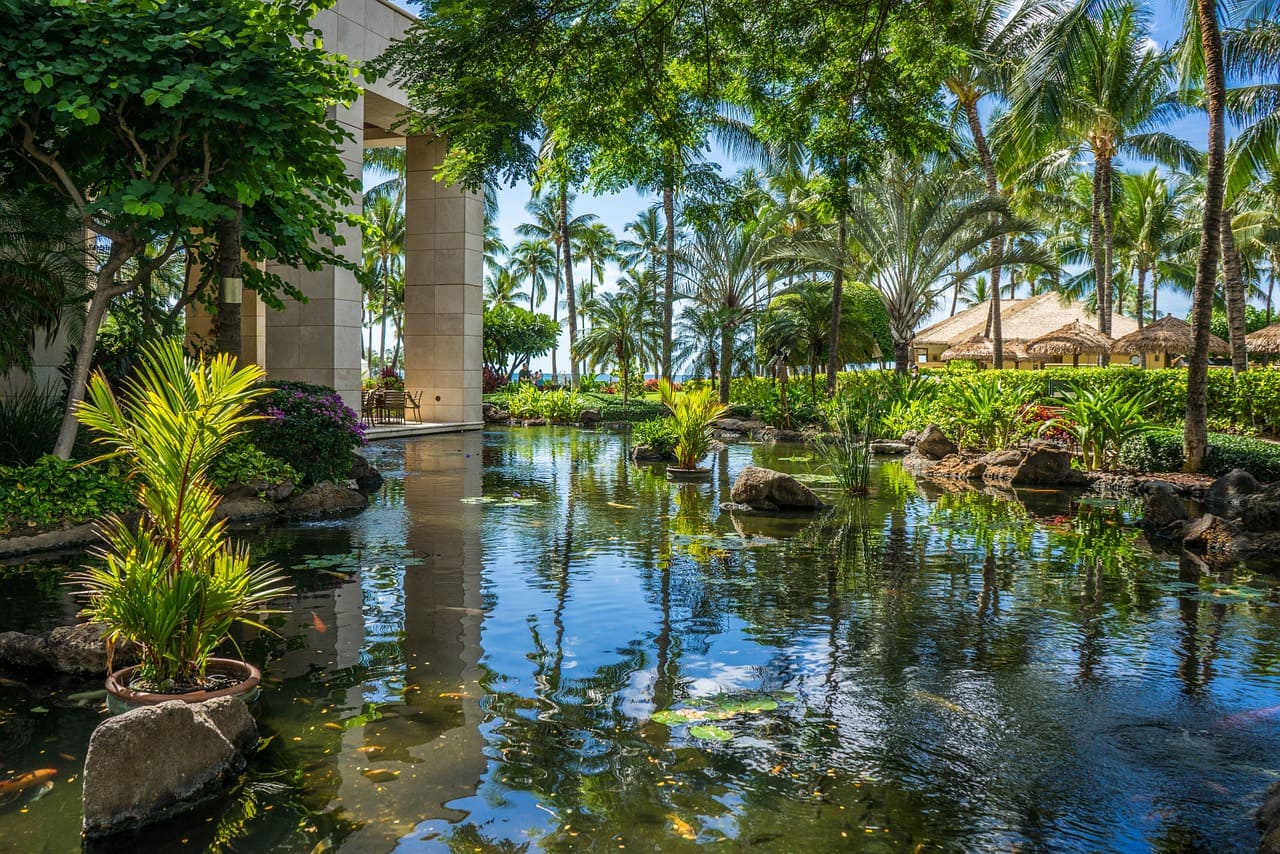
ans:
(414, 402)
(369, 407)
(392, 407)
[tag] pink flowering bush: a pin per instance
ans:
(309, 427)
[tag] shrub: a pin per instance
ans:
(659, 434)
(560, 405)
(241, 462)
(1161, 450)
(525, 402)
(309, 427)
(982, 412)
(691, 413)
(51, 490)
(29, 422)
(1101, 421)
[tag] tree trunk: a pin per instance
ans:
(837, 297)
(726, 362)
(1155, 299)
(104, 291)
(901, 356)
(230, 281)
(1096, 250)
(1142, 294)
(1109, 240)
(1233, 284)
(1271, 283)
(1196, 437)
(555, 309)
(570, 307)
(997, 242)
(668, 276)
(386, 303)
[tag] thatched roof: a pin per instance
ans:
(1024, 319)
(979, 349)
(1073, 339)
(1265, 341)
(1169, 334)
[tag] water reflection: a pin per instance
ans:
(476, 663)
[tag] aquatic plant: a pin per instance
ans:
(692, 412)
(175, 585)
(1101, 421)
(846, 452)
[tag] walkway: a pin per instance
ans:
(418, 428)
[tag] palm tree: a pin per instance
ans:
(531, 262)
(1151, 228)
(501, 288)
(383, 247)
(598, 245)
(622, 332)
(552, 222)
(645, 242)
(996, 35)
(1096, 85)
(797, 324)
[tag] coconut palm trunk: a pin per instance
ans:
(837, 297)
(1233, 285)
(1107, 287)
(997, 242)
(570, 307)
(1196, 436)
(726, 362)
(668, 274)
(1142, 296)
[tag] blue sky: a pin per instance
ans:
(617, 209)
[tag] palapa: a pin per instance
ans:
(1169, 334)
(1073, 339)
(980, 349)
(1264, 342)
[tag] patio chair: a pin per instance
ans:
(369, 407)
(414, 401)
(392, 407)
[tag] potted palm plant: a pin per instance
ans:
(692, 412)
(174, 585)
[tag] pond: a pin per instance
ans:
(528, 643)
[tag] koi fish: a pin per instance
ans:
(26, 781)
(317, 623)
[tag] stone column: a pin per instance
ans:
(319, 341)
(443, 267)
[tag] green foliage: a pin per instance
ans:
(658, 434)
(1101, 421)
(559, 405)
(513, 334)
(981, 411)
(29, 420)
(307, 426)
(691, 413)
(1161, 451)
(242, 462)
(855, 422)
(50, 491)
(1254, 319)
(613, 408)
(175, 585)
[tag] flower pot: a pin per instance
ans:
(122, 698)
(693, 475)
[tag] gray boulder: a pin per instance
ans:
(1261, 512)
(1163, 507)
(766, 489)
(156, 761)
(1039, 466)
(589, 417)
(80, 650)
(324, 499)
(1210, 534)
(368, 479)
(494, 414)
(891, 449)
(1231, 494)
(933, 444)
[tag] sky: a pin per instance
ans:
(617, 209)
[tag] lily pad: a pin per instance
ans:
(669, 717)
(710, 733)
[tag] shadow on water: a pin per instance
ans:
(529, 643)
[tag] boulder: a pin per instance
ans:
(589, 417)
(534, 422)
(766, 489)
(1039, 466)
(729, 425)
(1268, 821)
(80, 650)
(958, 467)
(910, 437)
(324, 499)
(1261, 512)
(244, 509)
(494, 414)
(890, 449)
(1163, 507)
(156, 761)
(779, 434)
(646, 454)
(1231, 494)
(934, 444)
(1209, 534)
(368, 479)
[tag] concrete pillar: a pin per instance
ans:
(319, 341)
(443, 269)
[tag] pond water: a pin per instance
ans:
(528, 643)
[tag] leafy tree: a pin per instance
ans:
(623, 333)
(124, 109)
(513, 335)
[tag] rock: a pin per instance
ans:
(156, 761)
(247, 509)
(958, 467)
(80, 650)
(589, 417)
(891, 449)
(74, 538)
(729, 425)
(533, 422)
(615, 426)
(1268, 820)
(1229, 495)
(778, 434)
(934, 444)
(1004, 458)
(765, 489)
(324, 499)
(1209, 534)
(368, 479)
(1040, 466)
(494, 414)
(1262, 512)
(911, 437)
(1163, 507)
(646, 454)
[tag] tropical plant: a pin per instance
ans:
(174, 586)
(1101, 420)
(692, 413)
(307, 426)
(29, 420)
(623, 333)
(982, 413)
(657, 434)
(846, 453)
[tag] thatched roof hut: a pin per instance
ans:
(1075, 339)
(980, 349)
(1264, 342)
(1169, 334)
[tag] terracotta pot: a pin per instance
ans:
(688, 475)
(122, 698)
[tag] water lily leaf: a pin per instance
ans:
(710, 733)
(670, 717)
(804, 458)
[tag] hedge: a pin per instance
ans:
(1161, 450)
